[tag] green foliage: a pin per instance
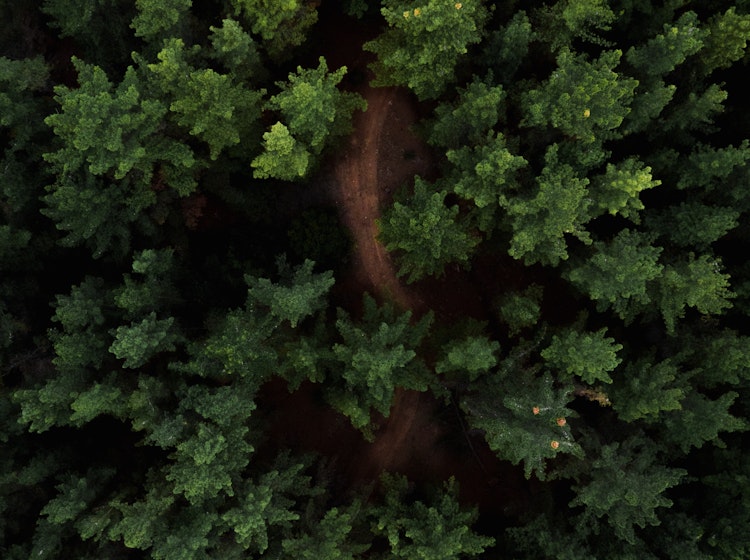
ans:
(438, 530)
(726, 39)
(588, 355)
(467, 120)
(507, 46)
(523, 416)
(313, 108)
(236, 50)
(209, 105)
(520, 310)
(483, 173)
(647, 105)
(268, 504)
(695, 282)
(475, 355)
(619, 273)
(283, 157)
(707, 168)
(723, 357)
(643, 389)
(155, 17)
(567, 20)
(700, 419)
(625, 485)
(280, 25)
(423, 45)
(300, 294)
(560, 206)
(329, 539)
(693, 224)
(697, 112)
(375, 356)
(236, 347)
(660, 55)
(426, 233)
(17, 111)
(138, 342)
(81, 315)
(151, 287)
(585, 100)
(105, 131)
(100, 28)
(617, 190)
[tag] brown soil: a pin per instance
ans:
(382, 155)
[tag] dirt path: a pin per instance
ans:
(382, 154)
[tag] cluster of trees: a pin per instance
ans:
(601, 145)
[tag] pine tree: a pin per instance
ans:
(313, 108)
(424, 44)
(437, 530)
(619, 273)
(560, 206)
(585, 100)
(375, 356)
(426, 233)
(588, 355)
(625, 486)
(523, 414)
(280, 25)
(283, 156)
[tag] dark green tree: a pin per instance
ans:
(427, 234)
(438, 530)
(625, 487)
(374, 357)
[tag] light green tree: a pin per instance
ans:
(313, 108)
(587, 355)
(283, 157)
(726, 40)
(585, 100)
(617, 190)
(424, 43)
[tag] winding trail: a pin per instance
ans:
(383, 153)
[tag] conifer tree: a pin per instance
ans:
(437, 530)
(626, 486)
(375, 356)
(425, 43)
(426, 232)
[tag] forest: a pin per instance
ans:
(374, 279)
